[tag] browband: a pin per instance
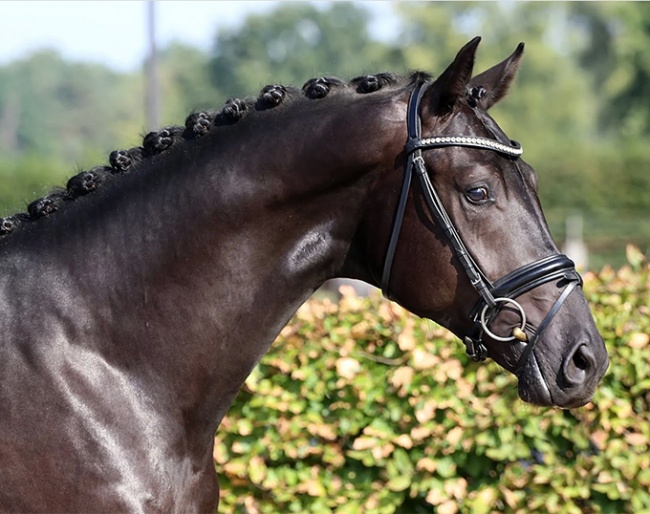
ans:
(514, 150)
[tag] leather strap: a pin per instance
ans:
(530, 346)
(413, 126)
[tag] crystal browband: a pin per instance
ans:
(514, 149)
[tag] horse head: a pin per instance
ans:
(469, 246)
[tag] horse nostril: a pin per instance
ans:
(579, 361)
(578, 365)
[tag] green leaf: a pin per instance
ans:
(402, 461)
(446, 467)
(399, 483)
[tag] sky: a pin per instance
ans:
(114, 32)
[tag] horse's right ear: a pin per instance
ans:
(452, 84)
(495, 82)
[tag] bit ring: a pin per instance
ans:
(484, 324)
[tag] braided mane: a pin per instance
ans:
(197, 125)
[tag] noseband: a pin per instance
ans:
(493, 296)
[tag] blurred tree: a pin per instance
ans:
(185, 82)
(57, 116)
(612, 40)
(57, 108)
(549, 96)
(296, 42)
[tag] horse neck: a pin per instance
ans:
(191, 267)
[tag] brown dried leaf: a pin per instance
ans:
(406, 339)
(347, 367)
(636, 439)
(364, 443)
(402, 376)
(454, 436)
(638, 340)
(420, 432)
(447, 507)
(404, 441)
(426, 412)
(426, 464)
(381, 452)
(424, 360)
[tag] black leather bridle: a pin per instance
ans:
(493, 296)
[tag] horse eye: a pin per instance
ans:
(477, 195)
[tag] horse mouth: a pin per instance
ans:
(533, 388)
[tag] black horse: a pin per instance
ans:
(136, 301)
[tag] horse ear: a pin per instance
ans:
(452, 84)
(492, 85)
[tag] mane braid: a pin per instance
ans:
(123, 161)
(11, 223)
(320, 87)
(233, 110)
(271, 96)
(47, 205)
(420, 77)
(157, 142)
(88, 181)
(197, 125)
(372, 83)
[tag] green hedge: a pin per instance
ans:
(363, 408)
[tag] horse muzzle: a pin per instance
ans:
(565, 369)
(570, 384)
(505, 291)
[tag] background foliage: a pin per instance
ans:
(364, 408)
(580, 106)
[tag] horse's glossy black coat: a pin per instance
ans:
(131, 317)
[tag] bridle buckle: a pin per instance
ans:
(475, 349)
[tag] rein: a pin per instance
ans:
(493, 296)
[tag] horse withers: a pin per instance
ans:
(136, 301)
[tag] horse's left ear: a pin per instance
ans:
(451, 86)
(492, 85)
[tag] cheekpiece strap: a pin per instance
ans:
(413, 126)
